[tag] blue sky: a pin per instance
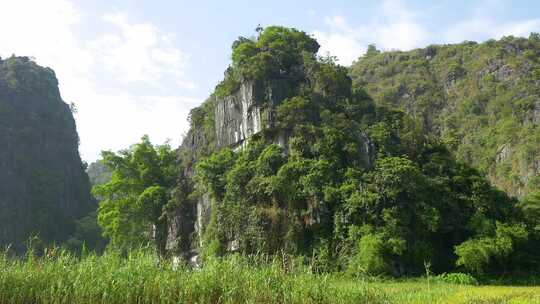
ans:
(136, 67)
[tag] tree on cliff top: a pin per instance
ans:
(273, 54)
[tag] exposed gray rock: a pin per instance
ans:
(247, 112)
(503, 152)
(239, 116)
(368, 151)
(203, 215)
(179, 228)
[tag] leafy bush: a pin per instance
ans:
(369, 260)
(457, 278)
(477, 254)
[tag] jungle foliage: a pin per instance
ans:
(481, 99)
(359, 186)
(131, 211)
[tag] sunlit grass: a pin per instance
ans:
(419, 292)
(59, 277)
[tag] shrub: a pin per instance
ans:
(457, 278)
(370, 257)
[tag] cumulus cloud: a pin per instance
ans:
(124, 81)
(341, 41)
(480, 27)
(481, 23)
(115, 122)
(395, 28)
(398, 27)
(140, 53)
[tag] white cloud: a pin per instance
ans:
(520, 28)
(116, 122)
(345, 45)
(140, 53)
(481, 27)
(482, 24)
(124, 82)
(395, 28)
(398, 27)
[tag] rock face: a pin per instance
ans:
(230, 121)
(43, 185)
(239, 116)
(482, 99)
(247, 112)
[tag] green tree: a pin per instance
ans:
(477, 254)
(372, 51)
(131, 212)
(530, 206)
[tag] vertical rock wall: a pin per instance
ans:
(43, 185)
(239, 116)
(247, 112)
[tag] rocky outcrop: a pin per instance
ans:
(235, 118)
(239, 116)
(43, 185)
(230, 121)
(247, 112)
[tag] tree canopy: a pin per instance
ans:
(132, 208)
(358, 185)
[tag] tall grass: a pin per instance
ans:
(60, 277)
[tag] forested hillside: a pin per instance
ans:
(43, 186)
(375, 169)
(481, 99)
(291, 156)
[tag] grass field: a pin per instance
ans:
(137, 278)
(419, 292)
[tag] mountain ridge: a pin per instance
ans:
(483, 99)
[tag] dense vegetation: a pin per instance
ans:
(351, 178)
(43, 187)
(482, 100)
(359, 185)
(133, 200)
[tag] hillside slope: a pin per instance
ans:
(43, 186)
(287, 157)
(482, 99)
